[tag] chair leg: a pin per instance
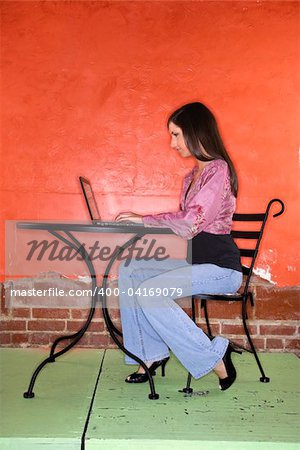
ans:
(251, 298)
(204, 306)
(193, 310)
(263, 377)
(188, 389)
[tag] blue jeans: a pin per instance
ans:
(153, 323)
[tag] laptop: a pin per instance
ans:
(93, 208)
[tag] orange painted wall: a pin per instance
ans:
(87, 87)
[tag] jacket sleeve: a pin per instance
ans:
(200, 209)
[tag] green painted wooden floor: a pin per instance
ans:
(250, 415)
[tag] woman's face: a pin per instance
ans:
(177, 140)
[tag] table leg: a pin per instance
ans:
(113, 331)
(75, 336)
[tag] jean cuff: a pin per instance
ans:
(129, 360)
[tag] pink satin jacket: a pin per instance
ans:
(208, 206)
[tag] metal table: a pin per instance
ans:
(63, 232)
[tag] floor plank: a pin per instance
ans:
(249, 411)
(63, 392)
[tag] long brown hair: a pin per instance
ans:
(200, 129)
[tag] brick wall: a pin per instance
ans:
(273, 321)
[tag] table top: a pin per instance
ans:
(108, 227)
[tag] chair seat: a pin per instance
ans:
(226, 297)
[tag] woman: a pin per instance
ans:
(154, 324)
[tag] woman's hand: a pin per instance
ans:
(129, 216)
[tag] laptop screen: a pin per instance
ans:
(90, 198)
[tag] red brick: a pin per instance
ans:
(5, 339)
(80, 313)
(114, 313)
(77, 325)
(50, 338)
(188, 311)
(277, 303)
(13, 325)
(21, 312)
(99, 340)
(225, 310)
(259, 343)
(4, 310)
(53, 336)
(292, 344)
(19, 338)
(274, 344)
(277, 330)
(45, 313)
(215, 327)
(66, 342)
(46, 325)
(39, 338)
(117, 323)
(228, 328)
(97, 315)
(62, 344)
(97, 327)
(85, 340)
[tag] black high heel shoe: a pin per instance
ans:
(225, 383)
(143, 377)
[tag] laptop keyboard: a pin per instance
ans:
(118, 224)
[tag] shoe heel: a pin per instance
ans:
(225, 383)
(163, 370)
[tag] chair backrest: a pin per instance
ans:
(254, 236)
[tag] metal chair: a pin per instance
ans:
(249, 254)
